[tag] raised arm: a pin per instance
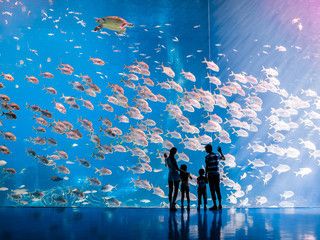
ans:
(165, 159)
(221, 154)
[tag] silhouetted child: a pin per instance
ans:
(184, 176)
(202, 189)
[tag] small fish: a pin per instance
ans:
(58, 179)
(303, 172)
(175, 39)
(2, 163)
(287, 194)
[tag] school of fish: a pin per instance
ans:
(116, 123)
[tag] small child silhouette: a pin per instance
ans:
(184, 176)
(202, 189)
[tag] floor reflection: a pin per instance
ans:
(93, 223)
(202, 225)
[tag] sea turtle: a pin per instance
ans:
(113, 23)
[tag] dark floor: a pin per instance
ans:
(99, 223)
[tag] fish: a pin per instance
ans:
(243, 176)
(244, 203)
(261, 200)
(303, 172)
(103, 171)
(267, 177)
(59, 200)
(168, 71)
(3, 163)
(112, 202)
(211, 65)
(159, 192)
(292, 153)
(94, 181)
(256, 148)
(281, 168)
(97, 61)
(175, 39)
(108, 188)
(188, 75)
(287, 194)
(281, 49)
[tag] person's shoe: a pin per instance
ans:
(213, 208)
(173, 208)
(220, 206)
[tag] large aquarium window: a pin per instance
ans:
(93, 93)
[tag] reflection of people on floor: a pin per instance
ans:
(215, 230)
(185, 225)
(202, 226)
(173, 232)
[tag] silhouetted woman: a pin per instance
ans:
(173, 177)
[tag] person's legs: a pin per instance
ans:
(199, 197)
(188, 197)
(212, 189)
(217, 188)
(204, 198)
(170, 183)
(182, 197)
(176, 188)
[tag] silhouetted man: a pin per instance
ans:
(212, 172)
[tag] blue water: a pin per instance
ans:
(238, 37)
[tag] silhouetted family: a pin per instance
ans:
(208, 175)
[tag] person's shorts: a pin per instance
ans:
(202, 189)
(184, 187)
